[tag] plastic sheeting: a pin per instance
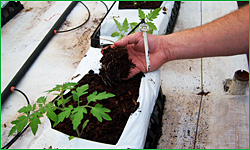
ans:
(135, 131)
(108, 26)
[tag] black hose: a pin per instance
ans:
(15, 138)
(105, 5)
(80, 24)
(20, 133)
(142, 21)
(22, 94)
(5, 94)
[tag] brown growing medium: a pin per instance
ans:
(121, 106)
(139, 4)
(115, 65)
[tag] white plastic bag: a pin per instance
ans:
(108, 26)
(135, 131)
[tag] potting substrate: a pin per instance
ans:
(189, 115)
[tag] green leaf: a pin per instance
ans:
(121, 36)
(39, 114)
(118, 25)
(99, 112)
(133, 24)
(20, 123)
(80, 91)
(78, 116)
(151, 26)
(65, 114)
(42, 109)
(85, 124)
(41, 99)
(92, 96)
(57, 88)
(34, 107)
(25, 109)
(34, 121)
(150, 31)
(71, 137)
(75, 96)
(61, 88)
(153, 14)
(141, 14)
(103, 95)
(62, 100)
(125, 25)
(68, 86)
(13, 129)
(50, 113)
(114, 34)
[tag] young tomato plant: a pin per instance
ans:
(32, 113)
(123, 29)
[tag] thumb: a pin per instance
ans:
(121, 43)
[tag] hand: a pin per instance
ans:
(135, 46)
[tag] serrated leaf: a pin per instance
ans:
(34, 107)
(118, 25)
(65, 86)
(80, 91)
(56, 88)
(25, 109)
(34, 121)
(133, 24)
(68, 86)
(99, 112)
(78, 116)
(39, 114)
(103, 95)
(125, 25)
(59, 102)
(71, 137)
(62, 100)
(114, 34)
(20, 123)
(151, 26)
(41, 100)
(141, 14)
(75, 96)
(92, 96)
(153, 14)
(13, 129)
(42, 109)
(51, 114)
(65, 114)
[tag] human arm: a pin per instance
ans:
(228, 35)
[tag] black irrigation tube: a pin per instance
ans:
(5, 94)
(80, 24)
(13, 140)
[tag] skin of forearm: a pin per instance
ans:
(228, 35)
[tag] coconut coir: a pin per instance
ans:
(115, 64)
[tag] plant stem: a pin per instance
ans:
(78, 132)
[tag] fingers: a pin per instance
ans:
(111, 46)
(133, 72)
(129, 39)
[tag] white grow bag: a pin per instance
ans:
(135, 131)
(108, 25)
